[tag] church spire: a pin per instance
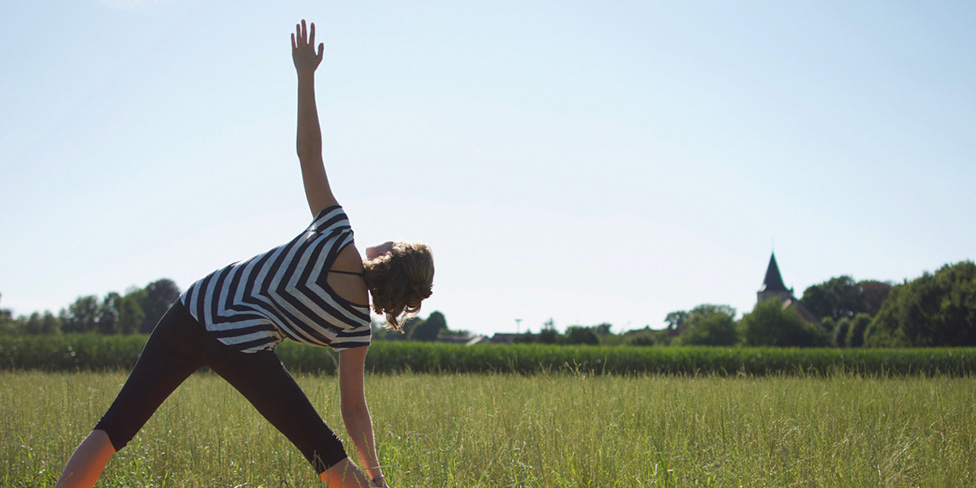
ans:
(774, 280)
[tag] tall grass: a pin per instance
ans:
(548, 430)
(98, 353)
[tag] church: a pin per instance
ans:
(774, 288)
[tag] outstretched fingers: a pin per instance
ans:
(303, 48)
(304, 34)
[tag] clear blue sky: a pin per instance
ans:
(585, 161)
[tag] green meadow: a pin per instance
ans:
(560, 429)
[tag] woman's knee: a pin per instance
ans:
(114, 435)
(324, 455)
(101, 440)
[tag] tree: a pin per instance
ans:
(873, 294)
(81, 316)
(769, 324)
(427, 330)
(548, 334)
(697, 325)
(160, 295)
(676, 320)
(713, 329)
(34, 324)
(42, 324)
(933, 310)
(834, 298)
(131, 315)
(603, 329)
(435, 324)
(710, 309)
(108, 314)
(50, 323)
(526, 337)
(843, 297)
(576, 334)
(7, 323)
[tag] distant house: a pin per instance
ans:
(454, 339)
(774, 288)
(470, 341)
(502, 338)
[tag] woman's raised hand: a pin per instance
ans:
(303, 49)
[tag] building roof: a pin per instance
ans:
(503, 338)
(773, 280)
(805, 312)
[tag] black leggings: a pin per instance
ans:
(179, 346)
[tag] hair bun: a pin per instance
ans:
(399, 281)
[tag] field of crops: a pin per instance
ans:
(546, 430)
(100, 353)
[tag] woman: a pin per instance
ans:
(311, 290)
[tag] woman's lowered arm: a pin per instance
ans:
(355, 413)
(309, 140)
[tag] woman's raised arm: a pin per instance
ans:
(309, 140)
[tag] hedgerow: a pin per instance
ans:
(90, 352)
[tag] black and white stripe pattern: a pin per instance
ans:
(255, 304)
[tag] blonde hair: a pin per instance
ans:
(399, 280)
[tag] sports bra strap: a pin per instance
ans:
(357, 273)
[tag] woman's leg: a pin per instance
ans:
(170, 356)
(265, 382)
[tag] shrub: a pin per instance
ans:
(841, 329)
(858, 325)
(717, 329)
(769, 324)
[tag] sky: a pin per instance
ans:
(584, 162)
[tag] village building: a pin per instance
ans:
(773, 288)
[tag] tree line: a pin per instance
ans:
(934, 310)
(136, 311)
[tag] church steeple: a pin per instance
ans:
(773, 287)
(773, 282)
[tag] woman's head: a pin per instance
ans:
(399, 276)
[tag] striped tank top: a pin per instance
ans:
(253, 305)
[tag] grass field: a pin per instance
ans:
(550, 430)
